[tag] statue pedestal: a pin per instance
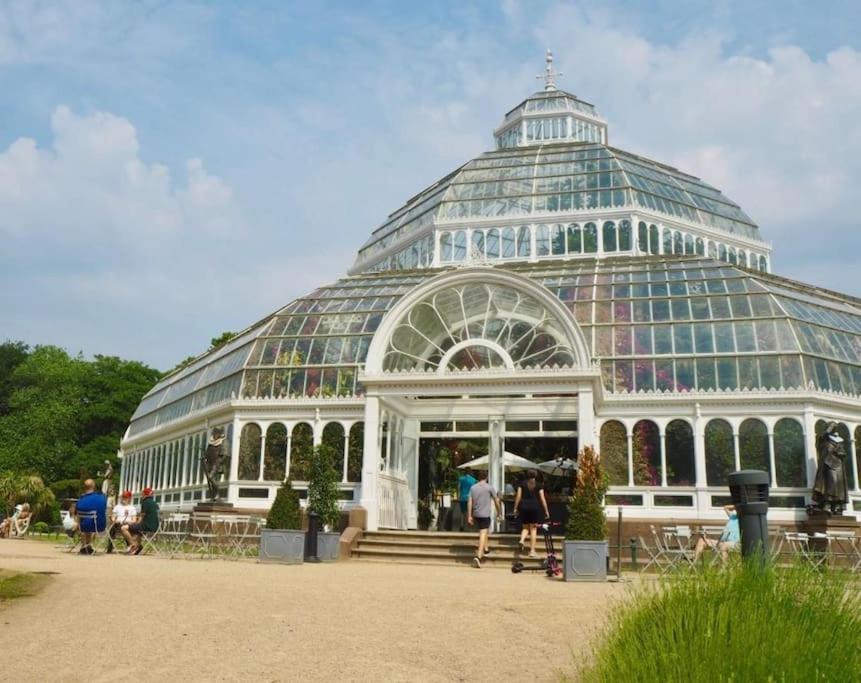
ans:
(214, 506)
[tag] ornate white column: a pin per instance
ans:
(586, 416)
(852, 457)
(703, 502)
(629, 437)
(346, 454)
(371, 461)
(772, 457)
(810, 443)
(262, 452)
(663, 436)
(736, 453)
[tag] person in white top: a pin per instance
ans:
(124, 512)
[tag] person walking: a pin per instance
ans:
(481, 496)
(464, 483)
(528, 503)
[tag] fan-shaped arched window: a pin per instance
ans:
(689, 244)
(733, 256)
(722, 252)
(614, 452)
(646, 453)
(678, 244)
(301, 451)
(679, 439)
(250, 439)
(643, 238)
(789, 455)
(720, 452)
(477, 325)
(654, 240)
(763, 264)
(668, 241)
(742, 258)
(700, 247)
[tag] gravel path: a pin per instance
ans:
(195, 620)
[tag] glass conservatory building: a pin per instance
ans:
(556, 292)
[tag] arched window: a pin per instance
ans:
(249, 452)
(542, 240)
(333, 436)
(625, 235)
(668, 241)
(275, 455)
(722, 252)
(678, 244)
(789, 455)
(614, 452)
(679, 439)
(689, 244)
(609, 233)
(492, 243)
(643, 238)
(477, 244)
(356, 449)
(733, 256)
(712, 250)
(301, 451)
(700, 247)
(654, 240)
(742, 258)
(557, 240)
(763, 264)
(720, 452)
(646, 453)
(460, 245)
(524, 248)
(575, 239)
(508, 243)
(753, 449)
(590, 238)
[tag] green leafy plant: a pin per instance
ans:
(323, 486)
(586, 519)
(41, 528)
(24, 488)
(805, 625)
(425, 514)
(285, 512)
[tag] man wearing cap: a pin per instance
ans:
(91, 501)
(124, 512)
(147, 524)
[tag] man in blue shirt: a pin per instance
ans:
(91, 501)
(464, 483)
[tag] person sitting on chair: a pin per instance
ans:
(91, 501)
(147, 524)
(17, 523)
(123, 512)
(729, 538)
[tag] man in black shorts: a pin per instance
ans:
(478, 512)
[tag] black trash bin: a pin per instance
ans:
(749, 491)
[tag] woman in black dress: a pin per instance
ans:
(528, 503)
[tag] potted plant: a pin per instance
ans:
(585, 547)
(283, 539)
(323, 500)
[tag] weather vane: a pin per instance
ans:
(549, 74)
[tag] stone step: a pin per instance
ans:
(459, 548)
(431, 555)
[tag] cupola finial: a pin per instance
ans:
(549, 74)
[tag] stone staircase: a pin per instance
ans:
(449, 548)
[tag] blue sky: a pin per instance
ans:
(169, 170)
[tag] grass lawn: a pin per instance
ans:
(20, 584)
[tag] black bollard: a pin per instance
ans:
(634, 553)
(311, 545)
(749, 491)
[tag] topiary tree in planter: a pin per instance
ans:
(586, 519)
(323, 486)
(586, 546)
(285, 513)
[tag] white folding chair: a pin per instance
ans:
(799, 543)
(201, 534)
(174, 532)
(842, 544)
(677, 546)
(655, 556)
(91, 519)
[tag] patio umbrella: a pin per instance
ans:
(509, 460)
(558, 467)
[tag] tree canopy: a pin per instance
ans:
(62, 416)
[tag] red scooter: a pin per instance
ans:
(550, 564)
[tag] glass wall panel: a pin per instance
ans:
(460, 245)
(445, 247)
(250, 439)
(789, 453)
(625, 235)
(275, 455)
(720, 452)
(643, 238)
(609, 236)
(301, 451)
(679, 439)
(754, 451)
(492, 243)
(558, 238)
(508, 243)
(333, 436)
(646, 452)
(542, 240)
(614, 452)
(654, 240)
(575, 239)
(524, 248)
(477, 244)
(590, 238)
(356, 448)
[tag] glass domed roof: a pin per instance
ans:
(666, 324)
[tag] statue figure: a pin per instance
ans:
(829, 488)
(213, 460)
(106, 481)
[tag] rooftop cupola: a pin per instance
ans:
(550, 115)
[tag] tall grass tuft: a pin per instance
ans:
(742, 624)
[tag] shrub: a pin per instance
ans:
(323, 486)
(41, 528)
(285, 513)
(741, 624)
(586, 519)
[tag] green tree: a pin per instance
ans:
(24, 488)
(285, 513)
(323, 486)
(221, 340)
(12, 354)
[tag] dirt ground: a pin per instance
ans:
(146, 618)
